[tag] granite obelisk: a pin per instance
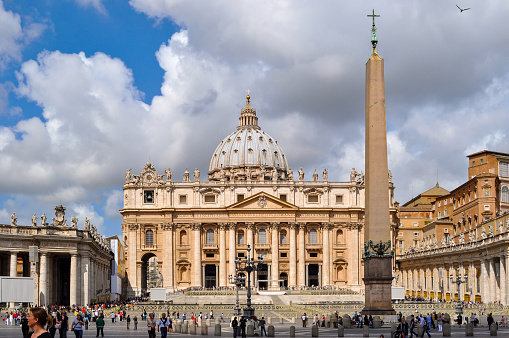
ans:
(377, 253)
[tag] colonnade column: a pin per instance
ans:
(132, 273)
(85, 277)
(326, 255)
(503, 280)
(471, 280)
(493, 280)
(356, 249)
(197, 254)
(485, 287)
(74, 278)
(168, 256)
(13, 270)
(43, 279)
(302, 255)
(222, 254)
(293, 256)
(275, 254)
(232, 250)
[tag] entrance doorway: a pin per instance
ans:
(313, 279)
(263, 276)
(149, 273)
(283, 276)
(210, 276)
(62, 273)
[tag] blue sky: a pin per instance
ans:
(90, 88)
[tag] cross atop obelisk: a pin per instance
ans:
(374, 39)
(377, 253)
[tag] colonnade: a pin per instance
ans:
(486, 278)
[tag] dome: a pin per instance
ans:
(248, 153)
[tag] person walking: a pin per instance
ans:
(412, 327)
(304, 319)
(99, 324)
(24, 326)
(128, 321)
(151, 326)
(162, 325)
(86, 320)
(235, 325)
(440, 322)
(77, 326)
(261, 324)
(37, 320)
(425, 327)
(243, 327)
(64, 325)
(135, 321)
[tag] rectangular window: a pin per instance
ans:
(339, 199)
(313, 254)
(445, 202)
(313, 236)
(482, 161)
(439, 214)
(282, 197)
(148, 196)
(240, 197)
(503, 170)
(284, 254)
(416, 224)
(210, 255)
(439, 203)
(210, 198)
(183, 199)
(262, 236)
(445, 212)
(473, 163)
(400, 244)
(241, 239)
(486, 207)
(312, 198)
(240, 254)
(282, 238)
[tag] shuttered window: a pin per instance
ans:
(210, 237)
(312, 236)
(149, 237)
(262, 236)
(504, 169)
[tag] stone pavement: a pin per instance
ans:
(118, 329)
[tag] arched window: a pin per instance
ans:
(312, 236)
(210, 237)
(505, 194)
(282, 237)
(262, 236)
(240, 238)
(149, 237)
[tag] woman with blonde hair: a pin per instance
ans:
(37, 320)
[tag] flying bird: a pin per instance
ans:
(462, 9)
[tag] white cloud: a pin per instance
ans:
(82, 210)
(114, 202)
(14, 36)
(97, 4)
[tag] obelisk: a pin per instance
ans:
(377, 253)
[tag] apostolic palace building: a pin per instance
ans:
(443, 235)
(309, 232)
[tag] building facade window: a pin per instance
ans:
(240, 197)
(282, 238)
(149, 237)
(209, 239)
(505, 194)
(312, 198)
(313, 236)
(503, 169)
(339, 199)
(240, 240)
(262, 236)
(183, 199)
(148, 196)
(282, 197)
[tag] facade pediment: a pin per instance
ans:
(262, 200)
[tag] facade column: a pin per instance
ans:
(293, 256)
(13, 272)
(85, 278)
(503, 280)
(326, 255)
(197, 255)
(92, 286)
(275, 254)
(223, 280)
(231, 250)
(168, 264)
(43, 280)
(463, 286)
(354, 231)
(302, 255)
(249, 234)
(435, 281)
(133, 277)
(74, 279)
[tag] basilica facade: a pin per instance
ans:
(309, 233)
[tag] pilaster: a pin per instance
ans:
(274, 226)
(222, 255)
(302, 280)
(292, 282)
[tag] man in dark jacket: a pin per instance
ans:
(235, 325)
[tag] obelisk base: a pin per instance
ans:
(378, 283)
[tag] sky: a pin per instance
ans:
(91, 88)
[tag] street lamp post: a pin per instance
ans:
(238, 281)
(458, 280)
(248, 265)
